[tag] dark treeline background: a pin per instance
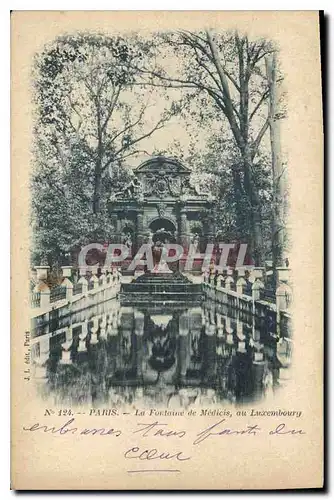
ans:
(100, 103)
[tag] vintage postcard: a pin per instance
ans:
(167, 197)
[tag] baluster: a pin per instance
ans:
(82, 281)
(45, 295)
(256, 288)
(241, 284)
(69, 288)
(94, 282)
(229, 282)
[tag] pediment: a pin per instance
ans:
(162, 165)
(162, 178)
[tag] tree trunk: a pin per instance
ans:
(255, 219)
(98, 166)
(240, 134)
(278, 229)
(97, 191)
(239, 196)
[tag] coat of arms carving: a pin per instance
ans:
(175, 186)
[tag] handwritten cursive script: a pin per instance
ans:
(282, 430)
(161, 432)
(216, 430)
(154, 454)
(68, 429)
(157, 429)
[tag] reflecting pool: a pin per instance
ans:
(159, 355)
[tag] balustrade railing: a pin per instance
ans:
(42, 296)
(234, 288)
(57, 293)
(77, 289)
(35, 299)
(268, 295)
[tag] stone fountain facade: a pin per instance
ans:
(160, 203)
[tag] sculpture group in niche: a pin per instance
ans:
(160, 185)
(132, 190)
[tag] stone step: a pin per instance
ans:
(154, 287)
(162, 278)
(148, 298)
(161, 287)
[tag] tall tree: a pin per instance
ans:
(229, 70)
(90, 117)
(278, 171)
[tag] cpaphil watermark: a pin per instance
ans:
(216, 256)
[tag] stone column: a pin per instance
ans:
(184, 233)
(140, 229)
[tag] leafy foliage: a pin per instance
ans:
(98, 98)
(90, 117)
(226, 72)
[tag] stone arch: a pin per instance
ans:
(163, 228)
(157, 223)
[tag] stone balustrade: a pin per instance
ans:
(44, 298)
(247, 290)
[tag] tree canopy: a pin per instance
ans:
(90, 117)
(227, 71)
(100, 99)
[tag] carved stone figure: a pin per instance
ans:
(175, 186)
(159, 267)
(127, 239)
(187, 189)
(150, 238)
(131, 190)
(161, 188)
(148, 184)
(161, 207)
(195, 239)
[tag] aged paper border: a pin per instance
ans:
(39, 462)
